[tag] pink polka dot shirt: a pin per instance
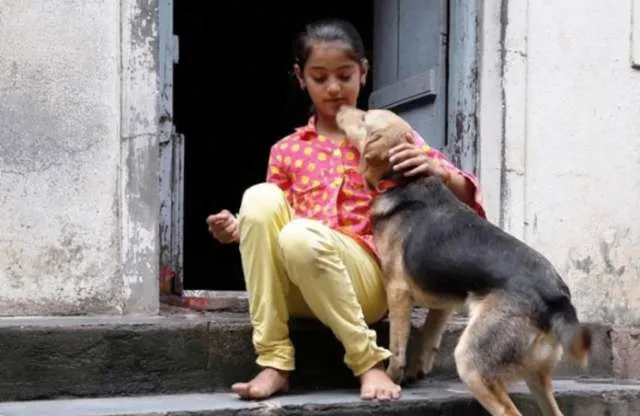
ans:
(320, 180)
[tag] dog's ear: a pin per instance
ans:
(351, 121)
(374, 159)
(374, 163)
(376, 151)
(397, 134)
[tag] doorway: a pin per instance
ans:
(234, 97)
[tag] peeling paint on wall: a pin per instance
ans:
(140, 193)
(614, 296)
(463, 85)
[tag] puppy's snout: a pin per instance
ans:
(343, 111)
(349, 115)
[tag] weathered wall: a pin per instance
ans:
(583, 152)
(60, 168)
(570, 145)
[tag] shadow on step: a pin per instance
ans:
(319, 355)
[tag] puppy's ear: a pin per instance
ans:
(376, 152)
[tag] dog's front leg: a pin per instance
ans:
(399, 299)
(429, 342)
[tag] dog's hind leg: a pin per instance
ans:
(429, 342)
(485, 351)
(541, 387)
(400, 305)
(493, 395)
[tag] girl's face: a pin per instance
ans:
(332, 77)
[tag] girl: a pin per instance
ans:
(305, 235)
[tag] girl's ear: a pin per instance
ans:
(364, 67)
(298, 71)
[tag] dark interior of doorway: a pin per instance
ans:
(233, 98)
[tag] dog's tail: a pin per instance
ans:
(574, 337)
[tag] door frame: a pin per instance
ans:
(139, 199)
(171, 152)
(501, 106)
(463, 83)
(463, 94)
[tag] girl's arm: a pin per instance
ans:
(464, 184)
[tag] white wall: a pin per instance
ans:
(583, 152)
(570, 134)
(60, 160)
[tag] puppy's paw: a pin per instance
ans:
(395, 371)
(427, 362)
(414, 372)
(417, 369)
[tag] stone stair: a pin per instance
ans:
(182, 363)
(437, 398)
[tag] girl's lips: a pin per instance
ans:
(336, 101)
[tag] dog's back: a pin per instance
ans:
(450, 251)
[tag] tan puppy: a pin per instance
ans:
(438, 253)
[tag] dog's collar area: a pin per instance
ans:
(390, 180)
(384, 185)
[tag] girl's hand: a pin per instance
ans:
(224, 227)
(412, 160)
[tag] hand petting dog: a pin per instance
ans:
(412, 160)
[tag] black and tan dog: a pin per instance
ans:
(438, 253)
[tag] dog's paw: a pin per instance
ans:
(427, 363)
(414, 373)
(395, 371)
(418, 369)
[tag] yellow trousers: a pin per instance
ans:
(296, 267)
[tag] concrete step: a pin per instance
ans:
(442, 398)
(183, 352)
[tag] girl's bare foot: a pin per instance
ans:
(268, 382)
(376, 384)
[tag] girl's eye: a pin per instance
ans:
(341, 78)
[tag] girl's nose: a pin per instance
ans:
(334, 88)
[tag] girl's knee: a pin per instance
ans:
(302, 241)
(261, 202)
(297, 235)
